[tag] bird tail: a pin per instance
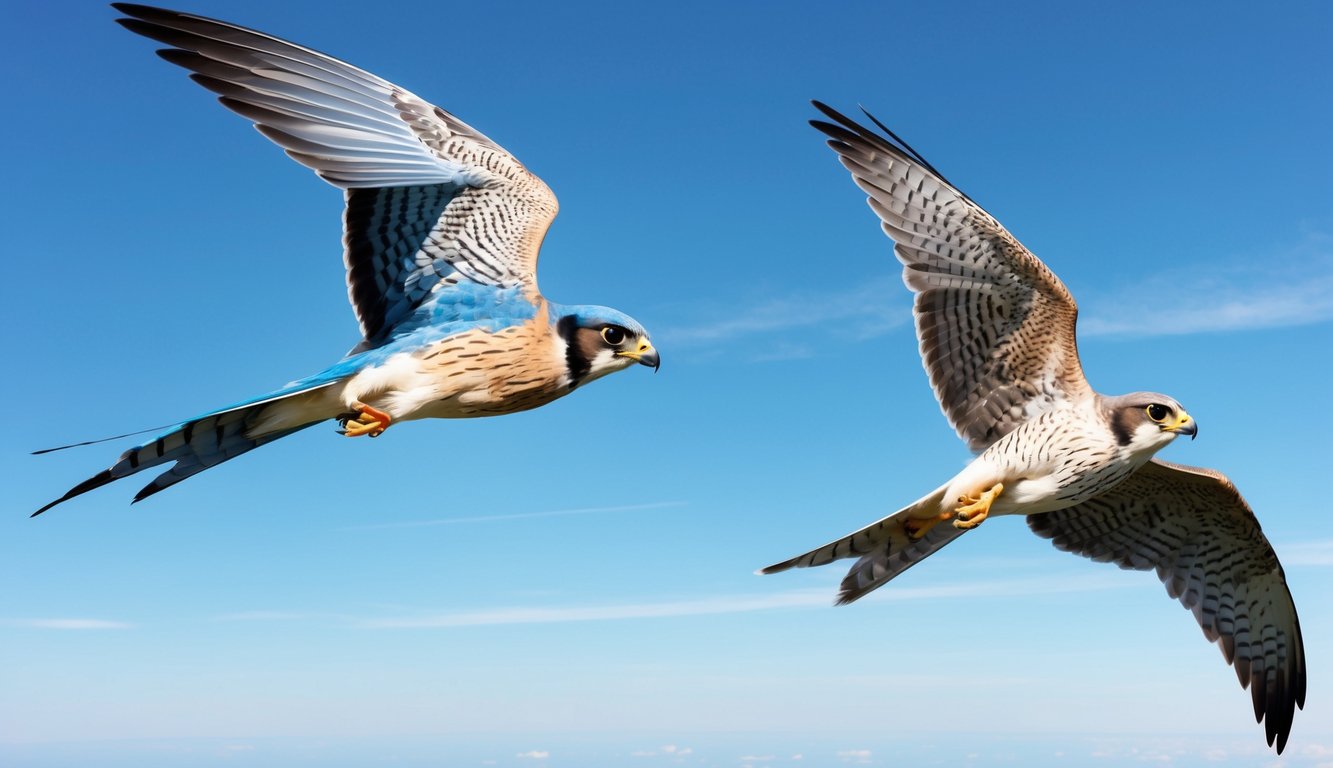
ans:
(208, 440)
(884, 549)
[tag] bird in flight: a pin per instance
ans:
(996, 333)
(441, 234)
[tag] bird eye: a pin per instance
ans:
(1158, 412)
(613, 335)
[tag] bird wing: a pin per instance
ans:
(1193, 527)
(431, 202)
(995, 325)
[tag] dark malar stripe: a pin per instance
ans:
(576, 364)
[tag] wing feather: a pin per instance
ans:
(995, 326)
(478, 214)
(1193, 527)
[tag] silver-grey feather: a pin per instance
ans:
(1016, 353)
(478, 214)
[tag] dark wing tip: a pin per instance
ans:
(134, 9)
(150, 13)
(889, 140)
(96, 481)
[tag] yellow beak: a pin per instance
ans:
(1183, 425)
(645, 354)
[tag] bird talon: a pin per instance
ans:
(365, 421)
(975, 509)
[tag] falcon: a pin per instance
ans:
(996, 333)
(441, 233)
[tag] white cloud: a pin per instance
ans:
(797, 756)
(1318, 552)
(860, 312)
(534, 754)
(788, 599)
(672, 749)
(518, 516)
(65, 624)
(1229, 297)
(858, 756)
(269, 616)
(756, 758)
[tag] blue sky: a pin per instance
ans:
(573, 586)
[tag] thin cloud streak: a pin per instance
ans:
(518, 516)
(1242, 295)
(1307, 553)
(799, 598)
(1235, 297)
(65, 624)
(869, 310)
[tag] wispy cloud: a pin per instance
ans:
(1286, 289)
(860, 312)
(534, 754)
(272, 616)
(1318, 552)
(65, 624)
(517, 516)
(669, 750)
(789, 599)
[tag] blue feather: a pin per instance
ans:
(217, 436)
(591, 315)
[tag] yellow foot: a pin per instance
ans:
(366, 421)
(974, 509)
(916, 527)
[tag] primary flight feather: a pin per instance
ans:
(997, 335)
(441, 234)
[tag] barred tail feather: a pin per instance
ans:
(193, 446)
(883, 549)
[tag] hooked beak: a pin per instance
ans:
(1184, 426)
(644, 355)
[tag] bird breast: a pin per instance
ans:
(1054, 460)
(476, 373)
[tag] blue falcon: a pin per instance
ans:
(442, 230)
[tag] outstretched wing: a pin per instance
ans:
(996, 327)
(431, 202)
(1193, 527)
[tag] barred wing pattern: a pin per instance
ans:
(996, 327)
(430, 200)
(1196, 530)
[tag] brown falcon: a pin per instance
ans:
(996, 329)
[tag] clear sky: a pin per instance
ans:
(572, 587)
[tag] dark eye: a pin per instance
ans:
(613, 335)
(1158, 412)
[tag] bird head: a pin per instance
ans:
(601, 340)
(1148, 420)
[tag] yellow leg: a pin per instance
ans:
(916, 527)
(972, 510)
(366, 421)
